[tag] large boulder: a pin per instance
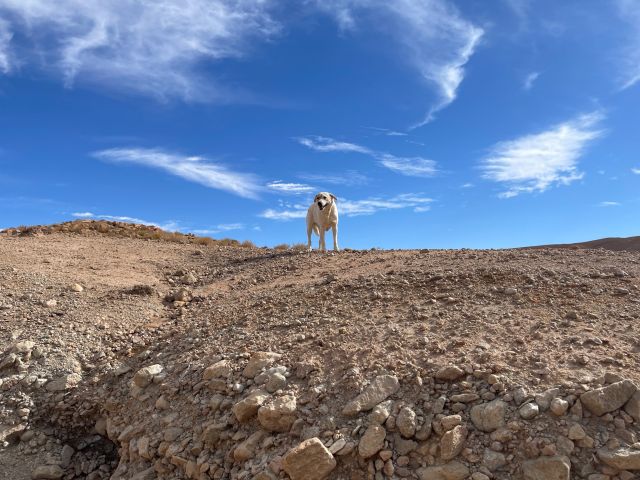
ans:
(609, 398)
(452, 442)
(377, 391)
(309, 461)
(632, 407)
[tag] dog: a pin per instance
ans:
(322, 216)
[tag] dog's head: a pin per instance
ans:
(324, 199)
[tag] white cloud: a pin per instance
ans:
(530, 80)
(636, 171)
(630, 12)
(170, 225)
(5, 40)
(149, 47)
(292, 188)
(325, 144)
(535, 162)
(411, 166)
(191, 168)
(348, 178)
(223, 227)
(435, 39)
(352, 208)
(466, 185)
(609, 204)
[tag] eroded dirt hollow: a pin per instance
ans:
(133, 359)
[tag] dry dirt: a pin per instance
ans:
(517, 330)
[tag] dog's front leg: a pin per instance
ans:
(309, 230)
(334, 229)
(322, 245)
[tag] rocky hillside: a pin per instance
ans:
(135, 358)
(628, 244)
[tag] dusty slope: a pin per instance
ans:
(513, 324)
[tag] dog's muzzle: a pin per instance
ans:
(321, 205)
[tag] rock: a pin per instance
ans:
(76, 287)
(144, 376)
(493, 460)
(449, 373)
(450, 471)
(377, 391)
(337, 445)
(547, 468)
(23, 347)
(64, 382)
(246, 449)
(559, 406)
(279, 415)
(464, 397)
(276, 382)
(65, 456)
(544, 399)
(260, 361)
(452, 442)
(529, 410)
(380, 412)
(450, 421)
(52, 303)
(622, 458)
(632, 407)
(609, 398)
(564, 445)
(406, 422)
(147, 474)
(246, 408)
(479, 476)
(576, 432)
(372, 441)
(489, 416)
(309, 461)
(221, 369)
(47, 472)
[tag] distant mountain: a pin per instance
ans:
(629, 244)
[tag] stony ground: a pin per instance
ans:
(141, 359)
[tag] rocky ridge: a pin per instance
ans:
(210, 362)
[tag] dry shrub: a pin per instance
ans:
(282, 246)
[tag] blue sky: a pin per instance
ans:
(436, 123)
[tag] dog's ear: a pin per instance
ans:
(335, 199)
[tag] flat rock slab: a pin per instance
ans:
(309, 461)
(547, 468)
(622, 459)
(450, 471)
(607, 399)
(382, 387)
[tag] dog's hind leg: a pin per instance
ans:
(334, 229)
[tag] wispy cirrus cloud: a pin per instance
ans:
(351, 208)
(290, 188)
(169, 225)
(152, 48)
(609, 204)
(5, 42)
(410, 166)
(535, 162)
(636, 170)
(349, 178)
(223, 227)
(435, 39)
(530, 80)
(630, 12)
(192, 168)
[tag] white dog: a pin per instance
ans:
(322, 216)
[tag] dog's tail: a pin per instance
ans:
(316, 229)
